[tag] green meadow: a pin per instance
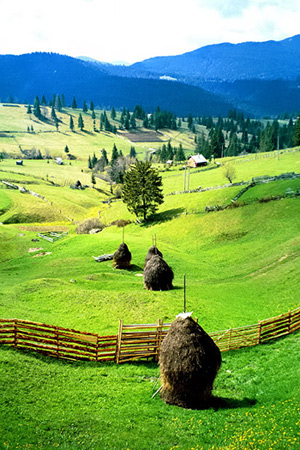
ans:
(241, 265)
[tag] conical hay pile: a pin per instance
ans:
(189, 361)
(153, 250)
(158, 276)
(122, 257)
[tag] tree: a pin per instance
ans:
(36, 109)
(180, 156)
(296, 136)
(84, 108)
(93, 180)
(74, 103)
(132, 153)
(229, 172)
(67, 149)
(29, 110)
(80, 122)
(71, 123)
(142, 191)
(114, 155)
(113, 113)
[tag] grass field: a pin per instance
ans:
(241, 265)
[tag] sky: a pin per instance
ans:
(134, 30)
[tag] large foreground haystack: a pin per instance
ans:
(122, 257)
(189, 362)
(153, 250)
(158, 276)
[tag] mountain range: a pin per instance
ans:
(258, 78)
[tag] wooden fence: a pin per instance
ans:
(133, 342)
(56, 341)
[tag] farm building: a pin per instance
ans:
(196, 161)
(19, 162)
(59, 161)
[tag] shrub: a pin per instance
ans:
(89, 224)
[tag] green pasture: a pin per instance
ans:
(49, 404)
(241, 265)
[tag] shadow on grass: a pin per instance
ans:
(230, 403)
(163, 217)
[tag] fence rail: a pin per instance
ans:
(134, 341)
(56, 341)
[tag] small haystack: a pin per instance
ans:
(158, 276)
(189, 361)
(122, 257)
(153, 250)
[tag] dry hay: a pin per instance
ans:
(158, 276)
(153, 250)
(122, 257)
(189, 362)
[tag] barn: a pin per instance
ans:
(196, 161)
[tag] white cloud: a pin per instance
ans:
(133, 30)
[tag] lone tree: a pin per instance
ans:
(142, 190)
(229, 172)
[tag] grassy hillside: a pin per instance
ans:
(241, 265)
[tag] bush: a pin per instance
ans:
(89, 224)
(117, 192)
(120, 223)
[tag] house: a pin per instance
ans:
(59, 161)
(19, 162)
(196, 161)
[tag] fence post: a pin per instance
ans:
(158, 338)
(119, 339)
(57, 342)
(229, 338)
(15, 334)
(289, 322)
(258, 333)
(97, 347)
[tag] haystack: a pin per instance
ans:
(189, 361)
(122, 257)
(153, 250)
(158, 276)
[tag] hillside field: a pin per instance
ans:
(241, 265)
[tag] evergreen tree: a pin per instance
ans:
(71, 125)
(104, 154)
(67, 149)
(113, 113)
(92, 107)
(74, 103)
(190, 121)
(57, 103)
(36, 108)
(132, 122)
(132, 153)
(84, 108)
(142, 189)
(43, 101)
(296, 135)
(180, 156)
(80, 122)
(29, 110)
(93, 179)
(53, 113)
(63, 101)
(114, 155)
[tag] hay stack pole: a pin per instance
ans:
(189, 362)
(122, 256)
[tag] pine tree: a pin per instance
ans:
(36, 108)
(92, 107)
(180, 156)
(29, 110)
(114, 155)
(113, 113)
(84, 108)
(132, 153)
(142, 189)
(80, 122)
(296, 135)
(74, 103)
(71, 123)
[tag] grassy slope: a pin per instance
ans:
(242, 265)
